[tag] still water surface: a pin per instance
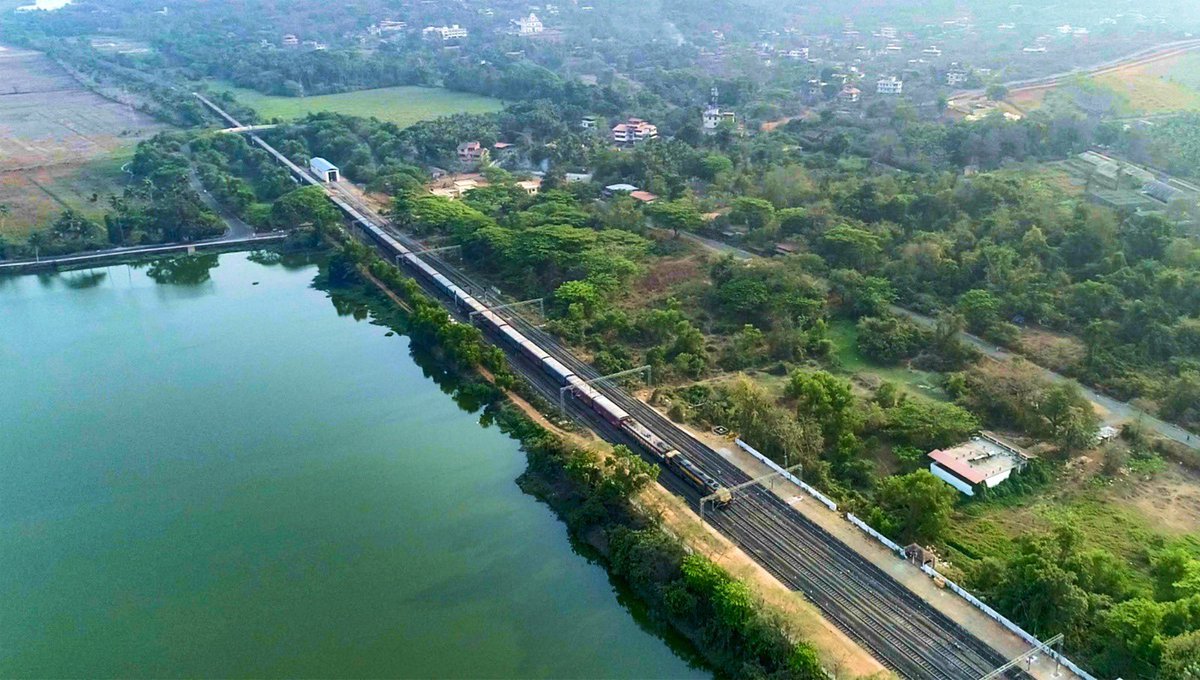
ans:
(207, 477)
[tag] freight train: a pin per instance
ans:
(659, 449)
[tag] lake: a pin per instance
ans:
(208, 469)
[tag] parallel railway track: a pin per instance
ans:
(905, 633)
(897, 627)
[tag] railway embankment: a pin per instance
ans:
(601, 495)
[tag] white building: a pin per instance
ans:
(444, 32)
(888, 32)
(529, 25)
(588, 123)
(634, 131)
(323, 169)
(984, 460)
(932, 51)
(714, 116)
(849, 95)
(290, 40)
(889, 85)
(956, 76)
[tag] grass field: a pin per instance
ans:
(37, 196)
(844, 335)
(400, 105)
(1163, 86)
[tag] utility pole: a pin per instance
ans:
(753, 482)
(1028, 658)
(562, 390)
(540, 301)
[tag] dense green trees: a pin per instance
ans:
(913, 507)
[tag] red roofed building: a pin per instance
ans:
(986, 460)
(643, 196)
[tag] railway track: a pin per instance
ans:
(901, 630)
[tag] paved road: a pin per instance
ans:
(1117, 411)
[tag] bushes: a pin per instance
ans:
(890, 339)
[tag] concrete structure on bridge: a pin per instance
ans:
(326, 171)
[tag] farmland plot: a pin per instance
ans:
(58, 141)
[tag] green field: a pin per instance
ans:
(844, 335)
(400, 105)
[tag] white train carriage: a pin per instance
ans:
(556, 370)
(472, 304)
(492, 319)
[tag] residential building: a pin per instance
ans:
(888, 32)
(444, 32)
(615, 189)
(985, 460)
(889, 85)
(633, 131)
(529, 25)
(577, 177)
(472, 152)
(714, 116)
(815, 88)
(290, 40)
(323, 169)
(643, 196)
(531, 186)
(849, 95)
(588, 123)
(956, 75)
(387, 26)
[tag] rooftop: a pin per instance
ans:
(981, 458)
(321, 165)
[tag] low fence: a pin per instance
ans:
(825, 500)
(1012, 627)
(892, 545)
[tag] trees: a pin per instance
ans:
(914, 507)
(1181, 657)
(754, 213)
(861, 295)
(679, 215)
(890, 339)
(846, 246)
(929, 424)
(1017, 394)
(1181, 399)
(304, 206)
(1034, 586)
(825, 398)
(980, 309)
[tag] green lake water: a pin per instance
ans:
(209, 477)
